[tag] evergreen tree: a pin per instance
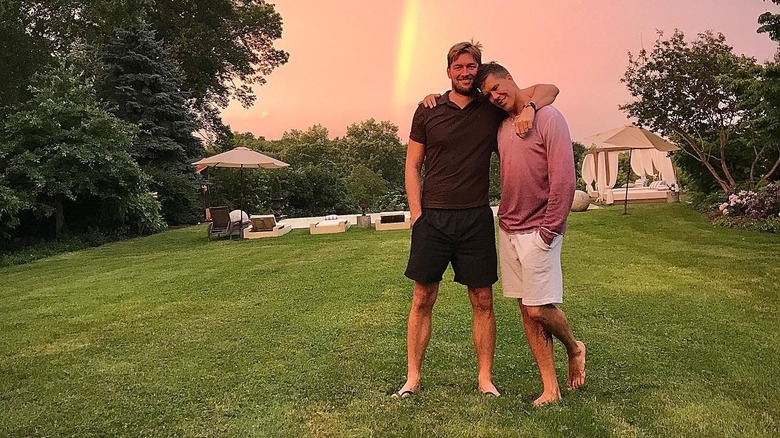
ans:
(145, 89)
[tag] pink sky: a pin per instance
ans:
(351, 60)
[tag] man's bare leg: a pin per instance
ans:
(541, 344)
(554, 322)
(483, 326)
(418, 333)
(576, 377)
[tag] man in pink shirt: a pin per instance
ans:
(537, 188)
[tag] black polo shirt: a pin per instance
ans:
(458, 145)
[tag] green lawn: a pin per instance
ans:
(305, 336)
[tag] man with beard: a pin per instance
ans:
(537, 188)
(452, 220)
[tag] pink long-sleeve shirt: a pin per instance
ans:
(537, 176)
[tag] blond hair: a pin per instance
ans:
(470, 47)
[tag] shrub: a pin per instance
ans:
(705, 202)
(771, 225)
(9, 207)
(393, 201)
(142, 215)
(758, 210)
(764, 204)
(21, 251)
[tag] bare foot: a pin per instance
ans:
(407, 390)
(577, 368)
(489, 389)
(547, 398)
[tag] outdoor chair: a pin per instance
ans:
(329, 226)
(265, 226)
(221, 224)
(392, 221)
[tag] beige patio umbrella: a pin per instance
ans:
(242, 158)
(628, 138)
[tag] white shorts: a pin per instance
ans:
(530, 269)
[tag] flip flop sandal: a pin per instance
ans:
(403, 394)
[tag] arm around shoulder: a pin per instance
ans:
(536, 97)
(541, 94)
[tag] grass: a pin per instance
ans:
(305, 336)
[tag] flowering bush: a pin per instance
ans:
(753, 210)
(764, 204)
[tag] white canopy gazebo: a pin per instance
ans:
(648, 157)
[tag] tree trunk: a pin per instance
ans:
(723, 137)
(769, 173)
(704, 160)
(59, 218)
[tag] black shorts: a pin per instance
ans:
(465, 238)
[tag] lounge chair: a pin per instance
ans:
(329, 226)
(265, 226)
(221, 224)
(392, 221)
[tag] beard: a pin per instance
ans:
(470, 91)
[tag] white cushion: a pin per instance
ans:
(237, 215)
(328, 223)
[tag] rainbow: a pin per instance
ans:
(406, 43)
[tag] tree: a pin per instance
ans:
(766, 103)
(144, 87)
(579, 155)
(313, 191)
(325, 176)
(770, 23)
(376, 146)
(9, 208)
(23, 51)
(695, 94)
(259, 144)
(310, 148)
(213, 42)
(312, 185)
(364, 187)
(61, 152)
(218, 41)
